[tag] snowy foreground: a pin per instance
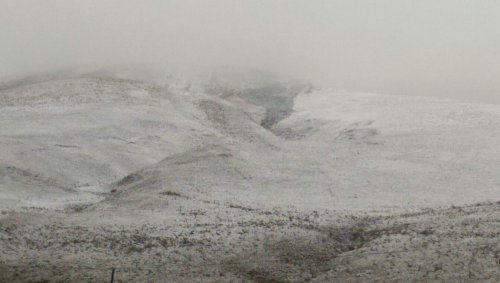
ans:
(255, 181)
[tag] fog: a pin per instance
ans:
(446, 48)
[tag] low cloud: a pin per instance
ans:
(442, 48)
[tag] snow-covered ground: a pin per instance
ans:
(244, 180)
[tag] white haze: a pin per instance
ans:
(446, 48)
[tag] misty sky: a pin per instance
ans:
(448, 48)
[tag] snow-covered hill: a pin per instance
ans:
(209, 172)
(82, 133)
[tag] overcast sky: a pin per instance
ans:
(447, 48)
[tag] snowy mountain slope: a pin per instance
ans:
(186, 181)
(342, 151)
(404, 150)
(336, 150)
(91, 132)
